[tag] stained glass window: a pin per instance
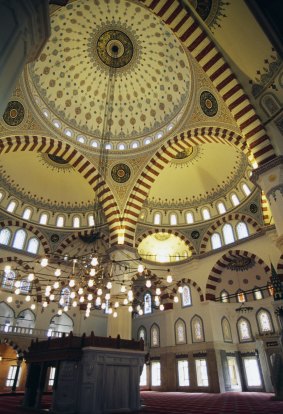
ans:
(186, 296)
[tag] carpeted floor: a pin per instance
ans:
(179, 403)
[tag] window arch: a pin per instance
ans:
(19, 239)
(157, 219)
(205, 213)
(180, 332)
(244, 330)
(197, 329)
(8, 279)
(60, 221)
(173, 219)
(25, 286)
(226, 330)
(91, 222)
(25, 319)
(43, 219)
(186, 296)
(154, 336)
(242, 230)
(235, 199)
(33, 245)
(221, 207)
(224, 296)
(11, 206)
(228, 234)
(5, 236)
(264, 320)
(246, 189)
(142, 334)
(76, 222)
(257, 293)
(7, 316)
(27, 213)
(147, 303)
(65, 297)
(189, 217)
(216, 241)
(241, 297)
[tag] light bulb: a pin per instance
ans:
(123, 289)
(103, 306)
(169, 279)
(110, 311)
(80, 291)
(57, 272)
(130, 309)
(66, 308)
(72, 283)
(89, 296)
(44, 262)
(161, 307)
(32, 306)
(28, 298)
(74, 304)
(158, 291)
(17, 284)
(140, 312)
(48, 288)
(98, 302)
(17, 291)
(115, 314)
(59, 312)
(138, 307)
(148, 283)
(52, 297)
(94, 261)
(56, 285)
(90, 282)
(107, 296)
(99, 292)
(109, 285)
(140, 268)
(7, 269)
(61, 301)
(45, 304)
(125, 301)
(47, 293)
(30, 277)
(92, 272)
(116, 305)
(82, 299)
(72, 295)
(176, 299)
(180, 289)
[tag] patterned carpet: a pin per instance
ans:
(179, 403)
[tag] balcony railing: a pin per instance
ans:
(31, 332)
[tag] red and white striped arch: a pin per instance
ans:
(78, 161)
(214, 277)
(205, 51)
(43, 240)
(176, 233)
(162, 157)
(227, 219)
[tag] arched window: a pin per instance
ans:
(6, 316)
(221, 208)
(19, 239)
(26, 319)
(43, 219)
(224, 296)
(8, 279)
(65, 297)
(157, 219)
(242, 230)
(154, 336)
(60, 324)
(264, 321)
(147, 303)
(11, 206)
(142, 334)
(25, 286)
(226, 330)
(180, 332)
(76, 222)
(235, 200)
(197, 329)
(1, 195)
(246, 189)
(205, 213)
(215, 240)
(228, 234)
(241, 297)
(173, 219)
(91, 222)
(27, 214)
(244, 330)
(186, 296)
(5, 236)
(60, 221)
(190, 218)
(33, 245)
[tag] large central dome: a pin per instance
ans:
(94, 43)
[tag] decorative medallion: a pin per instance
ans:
(120, 173)
(253, 208)
(195, 234)
(54, 238)
(14, 113)
(115, 48)
(240, 264)
(208, 103)
(184, 154)
(57, 160)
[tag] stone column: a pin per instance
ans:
(269, 177)
(24, 29)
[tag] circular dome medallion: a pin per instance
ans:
(120, 173)
(208, 103)
(14, 113)
(115, 48)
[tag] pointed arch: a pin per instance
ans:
(214, 277)
(180, 329)
(69, 153)
(74, 236)
(191, 283)
(227, 219)
(15, 346)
